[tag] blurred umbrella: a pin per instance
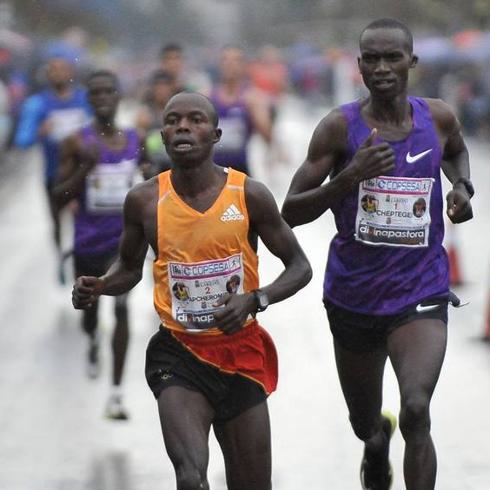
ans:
(472, 45)
(434, 50)
(467, 38)
(14, 41)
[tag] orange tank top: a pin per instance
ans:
(201, 256)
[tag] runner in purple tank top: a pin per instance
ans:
(386, 287)
(99, 166)
(242, 111)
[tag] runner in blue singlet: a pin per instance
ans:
(48, 117)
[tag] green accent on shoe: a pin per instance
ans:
(393, 423)
(392, 418)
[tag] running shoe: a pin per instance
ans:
(93, 360)
(115, 409)
(381, 476)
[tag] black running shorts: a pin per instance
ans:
(365, 333)
(93, 265)
(169, 363)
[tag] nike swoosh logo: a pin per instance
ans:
(420, 308)
(418, 156)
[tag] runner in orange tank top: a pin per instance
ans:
(210, 363)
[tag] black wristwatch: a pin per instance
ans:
(467, 185)
(261, 299)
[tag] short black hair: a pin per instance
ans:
(103, 73)
(161, 76)
(234, 47)
(212, 109)
(214, 112)
(171, 47)
(388, 23)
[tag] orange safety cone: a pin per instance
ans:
(455, 271)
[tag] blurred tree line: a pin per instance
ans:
(249, 21)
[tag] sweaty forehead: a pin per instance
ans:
(59, 63)
(184, 103)
(101, 81)
(384, 40)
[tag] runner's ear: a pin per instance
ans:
(414, 61)
(218, 133)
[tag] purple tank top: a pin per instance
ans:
(99, 223)
(236, 123)
(387, 253)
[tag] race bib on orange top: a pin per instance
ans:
(195, 288)
(108, 185)
(394, 211)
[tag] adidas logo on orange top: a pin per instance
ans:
(232, 213)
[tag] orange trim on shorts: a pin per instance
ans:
(262, 367)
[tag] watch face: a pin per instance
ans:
(262, 300)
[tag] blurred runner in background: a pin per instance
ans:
(172, 62)
(99, 166)
(242, 110)
(48, 117)
(149, 119)
(185, 78)
(269, 74)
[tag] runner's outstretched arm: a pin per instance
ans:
(30, 118)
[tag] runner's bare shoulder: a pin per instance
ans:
(261, 204)
(142, 197)
(330, 134)
(443, 115)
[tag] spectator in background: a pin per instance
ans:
(172, 62)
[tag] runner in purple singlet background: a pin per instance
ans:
(99, 165)
(242, 111)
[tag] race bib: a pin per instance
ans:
(234, 136)
(66, 122)
(108, 185)
(394, 211)
(195, 288)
